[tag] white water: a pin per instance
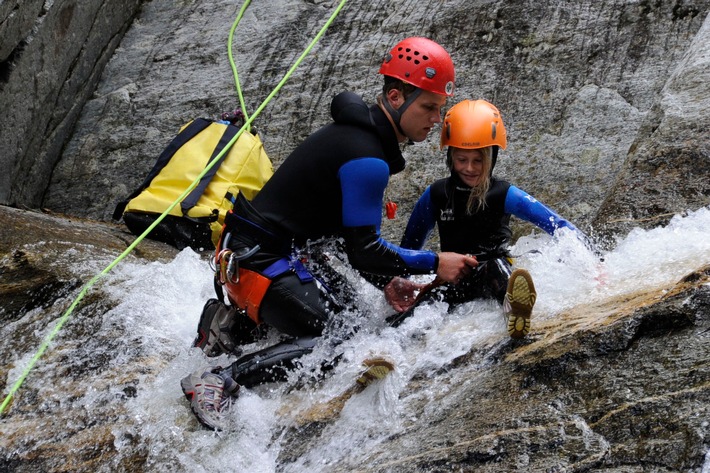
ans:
(158, 306)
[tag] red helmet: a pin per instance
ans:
(473, 124)
(422, 63)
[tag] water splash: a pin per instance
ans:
(147, 339)
(565, 273)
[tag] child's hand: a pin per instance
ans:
(401, 293)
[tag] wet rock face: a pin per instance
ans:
(36, 278)
(578, 85)
(25, 287)
(629, 389)
(31, 277)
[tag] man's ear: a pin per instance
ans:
(395, 97)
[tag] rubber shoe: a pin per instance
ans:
(214, 330)
(518, 304)
(375, 368)
(210, 395)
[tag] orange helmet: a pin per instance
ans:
(422, 63)
(473, 124)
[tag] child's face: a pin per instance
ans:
(468, 164)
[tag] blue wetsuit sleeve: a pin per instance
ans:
(421, 222)
(524, 206)
(363, 183)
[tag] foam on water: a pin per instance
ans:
(566, 274)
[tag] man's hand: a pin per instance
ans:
(401, 293)
(454, 266)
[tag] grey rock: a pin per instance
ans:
(52, 54)
(667, 169)
(579, 85)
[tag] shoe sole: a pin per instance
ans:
(375, 368)
(521, 297)
(188, 388)
(204, 327)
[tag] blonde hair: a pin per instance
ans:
(477, 197)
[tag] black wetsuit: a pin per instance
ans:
(330, 186)
(484, 233)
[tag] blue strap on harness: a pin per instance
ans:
(286, 264)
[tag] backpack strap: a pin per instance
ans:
(188, 133)
(191, 200)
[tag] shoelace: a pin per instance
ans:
(213, 398)
(225, 403)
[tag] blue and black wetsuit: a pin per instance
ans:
(331, 186)
(485, 233)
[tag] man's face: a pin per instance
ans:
(421, 116)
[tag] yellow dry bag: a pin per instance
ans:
(197, 221)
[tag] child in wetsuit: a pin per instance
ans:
(472, 210)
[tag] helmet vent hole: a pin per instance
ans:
(426, 58)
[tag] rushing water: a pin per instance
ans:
(158, 305)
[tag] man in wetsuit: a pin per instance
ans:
(330, 187)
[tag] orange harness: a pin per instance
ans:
(246, 288)
(248, 291)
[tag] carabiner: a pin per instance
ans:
(223, 261)
(232, 269)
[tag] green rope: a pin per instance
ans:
(48, 339)
(231, 59)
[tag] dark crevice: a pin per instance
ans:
(7, 65)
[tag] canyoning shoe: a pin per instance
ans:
(375, 368)
(210, 395)
(518, 304)
(214, 330)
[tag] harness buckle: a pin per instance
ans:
(222, 261)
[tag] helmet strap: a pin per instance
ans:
(396, 114)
